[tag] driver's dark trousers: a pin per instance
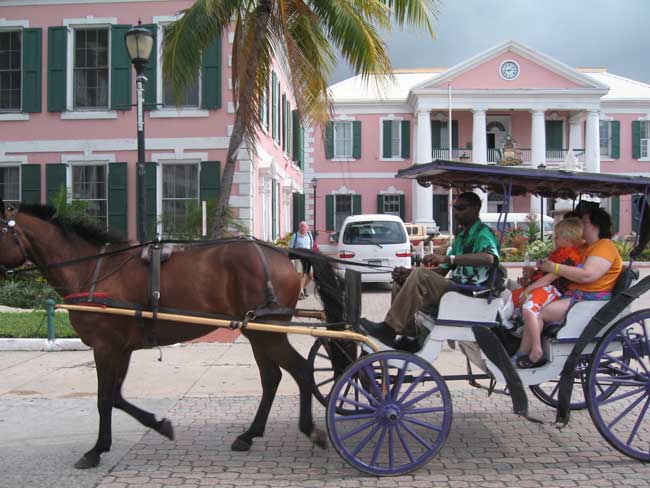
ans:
(424, 287)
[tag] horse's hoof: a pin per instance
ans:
(166, 429)
(240, 445)
(318, 438)
(87, 462)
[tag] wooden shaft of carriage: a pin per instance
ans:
(189, 319)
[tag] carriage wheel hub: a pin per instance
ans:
(392, 414)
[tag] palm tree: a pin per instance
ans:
(307, 33)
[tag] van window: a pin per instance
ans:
(374, 232)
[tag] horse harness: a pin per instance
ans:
(9, 225)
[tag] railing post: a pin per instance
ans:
(50, 320)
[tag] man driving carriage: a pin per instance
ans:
(471, 260)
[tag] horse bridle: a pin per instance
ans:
(9, 225)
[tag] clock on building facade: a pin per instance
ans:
(509, 70)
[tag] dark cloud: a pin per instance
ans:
(613, 34)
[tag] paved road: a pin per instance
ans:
(210, 392)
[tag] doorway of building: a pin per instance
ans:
(441, 212)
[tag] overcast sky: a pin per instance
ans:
(614, 34)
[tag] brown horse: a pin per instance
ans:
(227, 278)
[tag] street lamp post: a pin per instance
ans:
(314, 182)
(139, 43)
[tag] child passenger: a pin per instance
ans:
(544, 289)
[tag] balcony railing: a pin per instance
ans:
(554, 157)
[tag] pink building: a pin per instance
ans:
(67, 119)
(509, 91)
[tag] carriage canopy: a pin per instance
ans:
(548, 183)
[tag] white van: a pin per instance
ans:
(516, 221)
(374, 239)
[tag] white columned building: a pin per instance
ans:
(592, 142)
(423, 197)
(575, 131)
(479, 146)
(537, 150)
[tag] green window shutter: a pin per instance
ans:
(151, 71)
(402, 207)
(298, 209)
(329, 212)
(615, 204)
(297, 137)
(329, 140)
(274, 105)
(150, 202)
(118, 198)
(283, 119)
(210, 183)
(387, 134)
(380, 204)
(356, 139)
(57, 51)
(406, 139)
(301, 151)
(32, 63)
(120, 69)
(55, 178)
(454, 134)
(436, 127)
(211, 76)
(356, 205)
(615, 127)
(554, 134)
(30, 183)
(636, 139)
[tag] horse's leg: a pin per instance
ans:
(163, 427)
(300, 369)
(106, 363)
(270, 376)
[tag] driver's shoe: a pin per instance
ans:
(379, 330)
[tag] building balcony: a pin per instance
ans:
(554, 157)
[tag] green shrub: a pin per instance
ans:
(539, 249)
(27, 293)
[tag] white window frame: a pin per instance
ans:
(608, 155)
(159, 187)
(264, 115)
(11, 25)
(277, 127)
(89, 22)
(645, 141)
(399, 208)
(289, 121)
(5, 165)
(22, 77)
(394, 121)
(69, 175)
(334, 138)
(337, 227)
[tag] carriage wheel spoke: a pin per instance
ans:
(357, 430)
(345, 394)
(391, 449)
(625, 412)
(324, 356)
(365, 440)
(324, 382)
(412, 386)
(344, 400)
(622, 395)
(380, 443)
(426, 425)
(416, 436)
(623, 365)
(425, 394)
(355, 416)
(637, 424)
(323, 369)
(359, 389)
(404, 445)
(373, 381)
(425, 410)
(636, 354)
(400, 380)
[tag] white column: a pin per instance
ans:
(423, 197)
(575, 132)
(592, 142)
(479, 147)
(537, 150)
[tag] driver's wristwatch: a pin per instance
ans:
(452, 260)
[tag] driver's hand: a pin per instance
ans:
(433, 260)
(400, 274)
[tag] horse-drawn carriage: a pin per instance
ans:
(390, 411)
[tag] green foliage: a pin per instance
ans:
(284, 241)
(191, 227)
(26, 293)
(624, 248)
(532, 229)
(75, 210)
(539, 249)
(34, 325)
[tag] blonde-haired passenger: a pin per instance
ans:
(543, 289)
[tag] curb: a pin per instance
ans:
(42, 345)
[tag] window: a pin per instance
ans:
(275, 210)
(605, 138)
(89, 186)
(645, 139)
(91, 68)
(374, 232)
(191, 97)
(275, 107)
(342, 209)
(264, 108)
(10, 71)
(10, 183)
(396, 138)
(342, 139)
(495, 202)
(180, 191)
(392, 204)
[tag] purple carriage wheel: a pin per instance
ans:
(405, 415)
(329, 358)
(623, 359)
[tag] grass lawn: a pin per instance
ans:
(34, 325)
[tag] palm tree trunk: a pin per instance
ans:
(246, 91)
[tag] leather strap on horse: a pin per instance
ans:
(98, 265)
(154, 278)
(271, 306)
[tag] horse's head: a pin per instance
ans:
(12, 249)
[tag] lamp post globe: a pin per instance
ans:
(139, 43)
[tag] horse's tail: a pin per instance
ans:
(329, 285)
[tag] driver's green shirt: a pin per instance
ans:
(478, 239)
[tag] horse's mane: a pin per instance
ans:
(83, 229)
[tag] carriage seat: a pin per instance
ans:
(165, 253)
(460, 309)
(581, 313)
